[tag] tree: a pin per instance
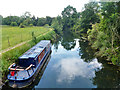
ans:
(48, 20)
(27, 22)
(88, 17)
(107, 9)
(26, 15)
(118, 6)
(41, 21)
(69, 15)
(26, 18)
(34, 22)
(57, 26)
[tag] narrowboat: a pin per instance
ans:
(23, 74)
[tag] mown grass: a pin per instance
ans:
(12, 55)
(15, 35)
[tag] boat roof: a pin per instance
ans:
(35, 50)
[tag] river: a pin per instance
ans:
(72, 64)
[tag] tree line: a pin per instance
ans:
(26, 20)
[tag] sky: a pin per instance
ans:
(39, 8)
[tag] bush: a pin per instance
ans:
(13, 24)
(30, 25)
(46, 25)
(22, 25)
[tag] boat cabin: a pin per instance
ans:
(35, 54)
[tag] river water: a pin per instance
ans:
(72, 64)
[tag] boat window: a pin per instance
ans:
(40, 47)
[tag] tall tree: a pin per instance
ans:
(26, 15)
(69, 15)
(48, 20)
(27, 18)
(41, 21)
(107, 9)
(34, 20)
(88, 17)
(57, 25)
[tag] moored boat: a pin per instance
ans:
(22, 74)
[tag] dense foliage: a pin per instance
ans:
(57, 25)
(105, 35)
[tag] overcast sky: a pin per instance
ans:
(39, 8)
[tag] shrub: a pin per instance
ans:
(30, 25)
(13, 24)
(22, 25)
(46, 25)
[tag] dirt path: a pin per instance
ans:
(20, 44)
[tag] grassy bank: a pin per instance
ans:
(15, 35)
(12, 55)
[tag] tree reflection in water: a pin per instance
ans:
(108, 76)
(68, 41)
(86, 53)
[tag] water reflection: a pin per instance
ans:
(68, 41)
(86, 52)
(107, 77)
(56, 44)
(70, 68)
(67, 69)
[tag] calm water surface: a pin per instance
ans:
(67, 69)
(73, 65)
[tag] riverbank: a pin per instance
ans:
(100, 52)
(11, 56)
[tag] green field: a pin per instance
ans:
(15, 35)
